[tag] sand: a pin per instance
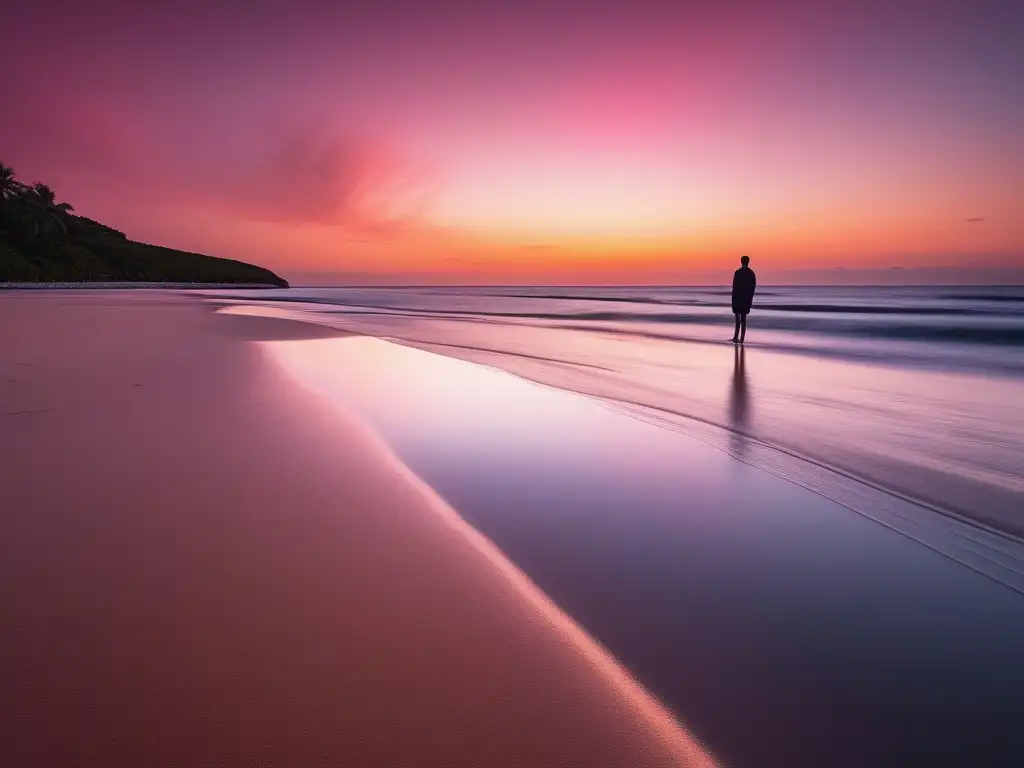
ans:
(205, 565)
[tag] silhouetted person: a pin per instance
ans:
(744, 283)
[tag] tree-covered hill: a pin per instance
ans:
(41, 240)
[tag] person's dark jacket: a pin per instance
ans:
(744, 283)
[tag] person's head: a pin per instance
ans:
(744, 260)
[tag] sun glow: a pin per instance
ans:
(575, 197)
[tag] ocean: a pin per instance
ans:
(974, 328)
(917, 392)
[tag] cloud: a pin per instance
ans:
(975, 220)
(318, 178)
(325, 180)
(313, 174)
(539, 247)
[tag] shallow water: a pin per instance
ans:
(972, 328)
(917, 391)
(783, 628)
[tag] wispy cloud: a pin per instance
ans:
(298, 176)
(975, 220)
(330, 180)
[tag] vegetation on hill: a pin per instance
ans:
(41, 240)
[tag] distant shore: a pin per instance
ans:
(135, 285)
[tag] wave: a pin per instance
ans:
(967, 328)
(1010, 334)
(997, 297)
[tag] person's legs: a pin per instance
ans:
(741, 321)
(736, 333)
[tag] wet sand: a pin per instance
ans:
(934, 426)
(205, 565)
(784, 628)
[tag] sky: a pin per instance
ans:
(535, 141)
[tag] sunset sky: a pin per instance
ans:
(534, 141)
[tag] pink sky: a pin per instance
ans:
(535, 141)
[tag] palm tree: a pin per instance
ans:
(10, 189)
(8, 184)
(41, 214)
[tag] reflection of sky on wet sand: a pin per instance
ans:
(779, 625)
(948, 437)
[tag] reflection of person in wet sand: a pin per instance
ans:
(739, 402)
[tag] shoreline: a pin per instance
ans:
(791, 424)
(148, 454)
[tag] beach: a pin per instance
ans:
(205, 564)
(511, 385)
(240, 532)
